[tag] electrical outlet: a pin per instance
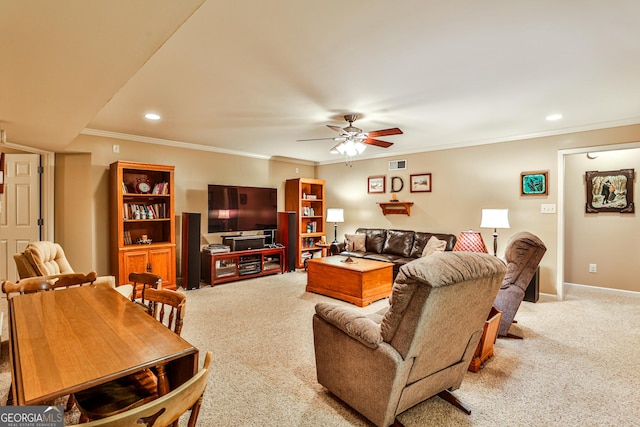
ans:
(549, 208)
(593, 268)
(116, 148)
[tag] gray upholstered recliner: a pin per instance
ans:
(522, 254)
(385, 363)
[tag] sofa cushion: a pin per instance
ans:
(398, 242)
(382, 257)
(355, 242)
(375, 238)
(420, 241)
(434, 245)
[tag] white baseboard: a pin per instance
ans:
(569, 286)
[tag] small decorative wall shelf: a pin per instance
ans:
(402, 208)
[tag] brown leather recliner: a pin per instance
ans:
(385, 363)
(523, 253)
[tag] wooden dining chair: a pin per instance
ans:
(145, 281)
(167, 307)
(141, 387)
(27, 286)
(46, 283)
(167, 409)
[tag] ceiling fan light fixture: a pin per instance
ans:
(352, 141)
(349, 148)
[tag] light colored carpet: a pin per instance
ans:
(577, 364)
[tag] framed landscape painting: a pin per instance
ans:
(610, 191)
(421, 183)
(534, 183)
(376, 184)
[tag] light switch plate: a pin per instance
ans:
(548, 208)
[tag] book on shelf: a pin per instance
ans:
(161, 188)
(127, 238)
(141, 211)
(124, 188)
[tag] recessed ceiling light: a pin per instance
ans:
(152, 116)
(553, 117)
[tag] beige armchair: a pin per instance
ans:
(385, 363)
(522, 254)
(46, 258)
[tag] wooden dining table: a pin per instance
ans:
(68, 340)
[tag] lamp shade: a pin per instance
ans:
(495, 218)
(335, 215)
(470, 241)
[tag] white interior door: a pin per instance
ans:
(19, 210)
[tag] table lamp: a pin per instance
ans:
(335, 215)
(495, 218)
(470, 241)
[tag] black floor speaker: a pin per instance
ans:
(190, 250)
(532, 292)
(286, 235)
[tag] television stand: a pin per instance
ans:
(231, 266)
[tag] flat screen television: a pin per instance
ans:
(238, 208)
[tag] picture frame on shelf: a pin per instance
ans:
(376, 184)
(610, 191)
(535, 183)
(420, 183)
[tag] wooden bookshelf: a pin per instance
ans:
(305, 196)
(142, 221)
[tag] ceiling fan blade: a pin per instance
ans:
(384, 132)
(378, 143)
(338, 129)
(313, 139)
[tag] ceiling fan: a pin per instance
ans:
(352, 139)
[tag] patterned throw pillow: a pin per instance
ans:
(434, 245)
(355, 242)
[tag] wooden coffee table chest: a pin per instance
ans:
(361, 282)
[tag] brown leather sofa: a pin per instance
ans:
(396, 246)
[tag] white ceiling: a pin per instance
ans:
(253, 77)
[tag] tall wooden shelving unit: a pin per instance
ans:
(305, 196)
(134, 214)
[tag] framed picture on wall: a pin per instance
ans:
(376, 184)
(610, 191)
(420, 183)
(534, 183)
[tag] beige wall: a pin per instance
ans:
(607, 239)
(73, 211)
(465, 181)
(194, 169)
